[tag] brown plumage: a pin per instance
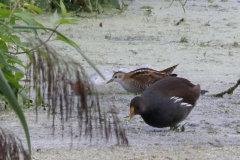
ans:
(138, 80)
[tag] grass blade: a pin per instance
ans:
(7, 91)
(67, 40)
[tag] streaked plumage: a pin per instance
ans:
(138, 80)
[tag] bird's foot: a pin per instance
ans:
(178, 128)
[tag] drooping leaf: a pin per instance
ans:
(3, 5)
(10, 78)
(39, 24)
(17, 61)
(69, 21)
(65, 39)
(34, 8)
(10, 58)
(69, 13)
(27, 18)
(14, 69)
(59, 37)
(11, 38)
(7, 91)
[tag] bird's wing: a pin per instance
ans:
(169, 71)
(146, 75)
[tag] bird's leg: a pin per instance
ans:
(178, 128)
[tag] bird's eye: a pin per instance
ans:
(115, 76)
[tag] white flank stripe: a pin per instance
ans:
(174, 98)
(177, 100)
(186, 104)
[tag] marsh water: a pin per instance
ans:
(210, 57)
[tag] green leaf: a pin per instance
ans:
(14, 69)
(11, 80)
(40, 25)
(17, 61)
(3, 45)
(69, 21)
(59, 37)
(5, 13)
(19, 75)
(2, 60)
(24, 96)
(3, 5)
(6, 58)
(55, 19)
(7, 91)
(27, 30)
(6, 39)
(15, 39)
(69, 13)
(4, 30)
(27, 18)
(12, 21)
(11, 38)
(63, 9)
(10, 58)
(34, 8)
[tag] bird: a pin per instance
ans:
(138, 80)
(166, 102)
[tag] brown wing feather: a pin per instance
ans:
(169, 70)
(146, 75)
(150, 75)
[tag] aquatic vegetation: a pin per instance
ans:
(183, 40)
(47, 71)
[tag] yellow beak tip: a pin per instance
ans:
(131, 113)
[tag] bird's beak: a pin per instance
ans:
(109, 81)
(131, 113)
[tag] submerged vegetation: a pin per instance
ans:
(183, 40)
(11, 147)
(47, 74)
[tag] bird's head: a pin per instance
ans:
(117, 77)
(137, 106)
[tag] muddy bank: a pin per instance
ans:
(210, 58)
